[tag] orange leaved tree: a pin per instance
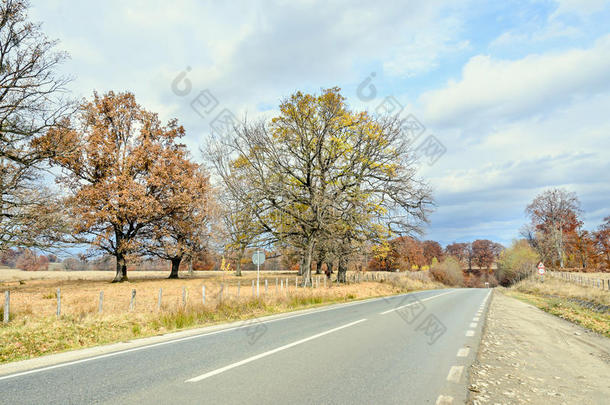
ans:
(184, 228)
(109, 156)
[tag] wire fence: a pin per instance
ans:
(581, 279)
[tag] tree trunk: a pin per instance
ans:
(342, 271)
(328, 270)
(175, 267)
(306, 265)
(121, 269)
(319, 267)
(238, 263)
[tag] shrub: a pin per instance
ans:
(516, 262)
(448, 272)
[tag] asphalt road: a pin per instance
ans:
(409, 349)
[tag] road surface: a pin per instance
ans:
(408, 349)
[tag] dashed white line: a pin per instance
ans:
(444, 400)
(470, 333)
(413, 303)
(473, 324)
(476, 319)
(270, 352)
(463, 352)
(455, 373)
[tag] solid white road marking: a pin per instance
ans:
(473, 324)
(244, 324)
(475, 319)
(463, 352)
(444, 400)
(270, 352)
(470, 333)
(408, 305)
(455, 373)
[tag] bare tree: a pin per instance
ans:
(32, 100)
(554, 213)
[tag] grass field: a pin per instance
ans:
(586, 306)
(35, 330)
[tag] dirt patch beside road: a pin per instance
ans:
(529, 356)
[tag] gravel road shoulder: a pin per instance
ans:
(530, 357)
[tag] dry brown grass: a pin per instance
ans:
(594, 276)
(561, 298)
(35, 330)
(557, 287)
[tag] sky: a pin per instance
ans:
(505, 99)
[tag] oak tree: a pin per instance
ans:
(109, 155)
(320, 173)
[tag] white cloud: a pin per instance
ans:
(579, 7)
(495, 89)
(517, 37)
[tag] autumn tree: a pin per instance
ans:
(582, 249)
(108, 155)
(432, 250)
(516, 262)
(317, 169)
(32, 100)
(483, 253)
(29, 260)
(602, 240)
(555, 213)
(461, 251)
(184, 193)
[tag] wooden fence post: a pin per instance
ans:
(58, 302)
(238, 287)
(253, 288)
(101, 304)
(132, 302)
(276, 285)
(184, 296)
(203, 294)
(159, 299)
(7, 306)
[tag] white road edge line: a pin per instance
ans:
(470, 333)
(270, 352)
(408, 305)
(473, 324)
(201, 335)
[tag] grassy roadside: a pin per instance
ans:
(30, 336)
(568, 301)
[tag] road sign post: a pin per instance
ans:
(541, 271)
(258, 258)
